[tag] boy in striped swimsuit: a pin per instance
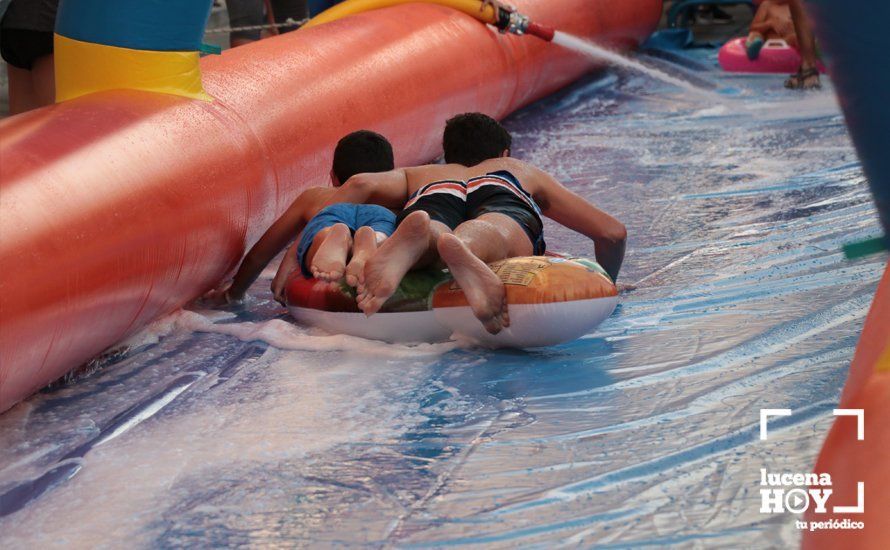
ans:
(480, 207)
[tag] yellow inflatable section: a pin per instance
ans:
(471, 7)
(83, 68)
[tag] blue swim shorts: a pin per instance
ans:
(353, 216)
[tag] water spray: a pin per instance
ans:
(509, 21)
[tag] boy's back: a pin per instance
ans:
(310, 201)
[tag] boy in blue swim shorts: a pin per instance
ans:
(329, 237)
(332, 240)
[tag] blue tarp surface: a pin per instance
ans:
(239, 428)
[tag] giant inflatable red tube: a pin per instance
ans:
(120, 206)
(851, 461)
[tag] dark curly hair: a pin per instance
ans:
(360, 152)
(471, 138)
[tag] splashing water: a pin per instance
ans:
(583, 46)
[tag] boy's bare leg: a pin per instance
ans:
(408, 247)
(492, 237)
(328, 261)
(475, 243)
(416, 243)
(757, 32)
(364, 245)
(483, 288)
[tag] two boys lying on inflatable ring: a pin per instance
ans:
(480, 206)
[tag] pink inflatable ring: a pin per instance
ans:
(775, 57)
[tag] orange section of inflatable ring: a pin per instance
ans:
(121, 206)
(850, 461)
(536, 280)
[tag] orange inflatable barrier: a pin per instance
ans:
(120, 206)
(851, 461)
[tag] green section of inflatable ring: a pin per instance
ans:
(413, 294)
(417, 288)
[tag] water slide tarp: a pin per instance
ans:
(240, 428)
(120, 206)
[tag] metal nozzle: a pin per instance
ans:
(514, 22)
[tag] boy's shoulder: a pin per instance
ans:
(514, 163)
(317, 192)
(511, 164)
(310, 201)
(314, 196)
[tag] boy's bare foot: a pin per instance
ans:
(385, 269)
(484, 290)
(329, 262)
(364, 245)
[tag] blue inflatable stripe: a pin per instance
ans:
(158, 25)
(855, 35)
(318, 6)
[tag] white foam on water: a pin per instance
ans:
(718, 110)
(280, 334)
(798, 106)
(269, 273)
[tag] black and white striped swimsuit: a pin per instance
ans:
(453, 202)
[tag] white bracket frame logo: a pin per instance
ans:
(858, 413)
(765, 415)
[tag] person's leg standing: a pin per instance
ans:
(26, 44)
(244, 13)
(21, 90)
(294, 10)
(808, 75)
(806, 40)
(43, 77)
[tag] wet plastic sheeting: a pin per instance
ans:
(645, 432)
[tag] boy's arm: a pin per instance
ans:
(571, 210)
(277, 237)
(388, 189)
(289, 264)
